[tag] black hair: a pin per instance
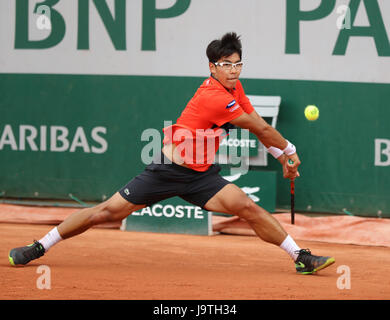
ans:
(230, 43)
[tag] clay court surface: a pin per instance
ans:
(113, 264)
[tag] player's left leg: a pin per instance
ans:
(231, 199)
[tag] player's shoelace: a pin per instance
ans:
(303, 252)
(34, 251)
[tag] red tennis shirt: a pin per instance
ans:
(197, 132)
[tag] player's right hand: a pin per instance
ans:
(290, 167)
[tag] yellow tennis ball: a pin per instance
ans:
(312, 113)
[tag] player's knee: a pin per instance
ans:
(245, 206)
(250, 211)
(98, 216)
(104, 213)
(110, 214)
(114, 209)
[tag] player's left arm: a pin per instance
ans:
(283, 159)
(250, 110)
(269, 137)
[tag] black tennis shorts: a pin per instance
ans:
(165, 180)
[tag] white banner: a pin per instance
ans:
(294, 39)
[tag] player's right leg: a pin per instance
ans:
(114, 209)
(231, 199)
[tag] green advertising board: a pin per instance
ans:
(239, 142)
(171, 216)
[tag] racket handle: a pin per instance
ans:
(292, 194)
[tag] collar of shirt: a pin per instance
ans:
(214, 80)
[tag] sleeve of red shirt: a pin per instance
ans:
(243, 99)
(221, 107)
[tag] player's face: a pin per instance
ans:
(226, 75)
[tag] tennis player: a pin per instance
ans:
(185, 169)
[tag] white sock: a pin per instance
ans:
(290, 247)
(50, 239)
